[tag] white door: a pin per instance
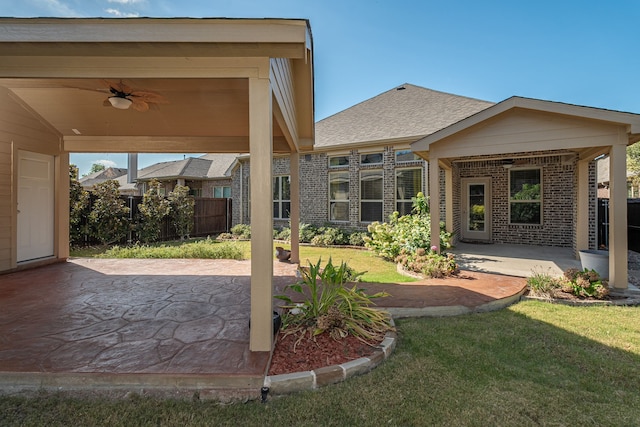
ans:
(35, 206)
(476, 209)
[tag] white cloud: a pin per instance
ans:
(106, 163)
(119, 14)
(126, 1)
(59, 8)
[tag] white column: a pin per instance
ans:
(582, 215)
(294, 173)
(618, 273)
(261, 157)
(434, 201)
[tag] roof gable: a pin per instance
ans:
(631, 120)
(404, 112)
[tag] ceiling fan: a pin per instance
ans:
(123, 96)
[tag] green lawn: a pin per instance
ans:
(531, 364)
(377, 270)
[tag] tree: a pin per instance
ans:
(96, 167)
(153, 209)
(109, 216)
(182, 210)
(78, 208)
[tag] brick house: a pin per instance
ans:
(206, 176)
(361, 169)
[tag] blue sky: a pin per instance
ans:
(579, 52)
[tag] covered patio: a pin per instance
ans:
(148, 86)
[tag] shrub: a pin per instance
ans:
(182, 210)
(307, 232)
(543, 284)
(408, 232)
(331, 307)
(284, 234)
(109, 217)
(78, 208)
(225, 236)
(241, 231)
(153, 209)
(357, 238)
(429, 263)
(585, 283)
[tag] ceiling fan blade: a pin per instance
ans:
(106, 103)
(139, 105)
(150, 97)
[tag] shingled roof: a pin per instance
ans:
(101, 176)
(404, 112)
(204, 167)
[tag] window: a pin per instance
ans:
(195, 192)
(371, 195)
(339, 196)
(338, 161)
(281, 197)
(221, 192)
(371, 159)
(406, 156)
(525, 196)
(408, 185)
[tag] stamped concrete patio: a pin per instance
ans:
(169, 325)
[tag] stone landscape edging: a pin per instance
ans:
(311, 380)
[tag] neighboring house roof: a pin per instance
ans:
(99, 177)
(206, 167)
(405, 112)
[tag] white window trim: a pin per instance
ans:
(541, 200)
(330, 166)
(330, 200)
(372, 164)
(280, 200)
(395, 157)
(360, 199)
(395, 184)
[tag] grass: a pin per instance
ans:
(532, 364)
(377, 269)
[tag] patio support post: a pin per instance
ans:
(434, 200)
(261, 157)
(618, 273)
(62, 206)
(582, 214)
(448, 198)
(294, 216)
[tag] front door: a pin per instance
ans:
(476, 209)
(35, 206)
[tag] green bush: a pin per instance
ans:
(152, 212)
(182, 210)
(428, 263)
(307, 232)
(357, 238)
(78, 208)
(284, 234)
(331, 307)
(241, 231)
(408, 232)
(585, 283)
(109, 217)
(543, 284)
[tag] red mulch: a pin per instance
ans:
(314, 353)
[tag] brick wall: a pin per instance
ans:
(558, 199)
(314, 187)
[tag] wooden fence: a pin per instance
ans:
(211, 217)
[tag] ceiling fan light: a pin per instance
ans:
(119, 102)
